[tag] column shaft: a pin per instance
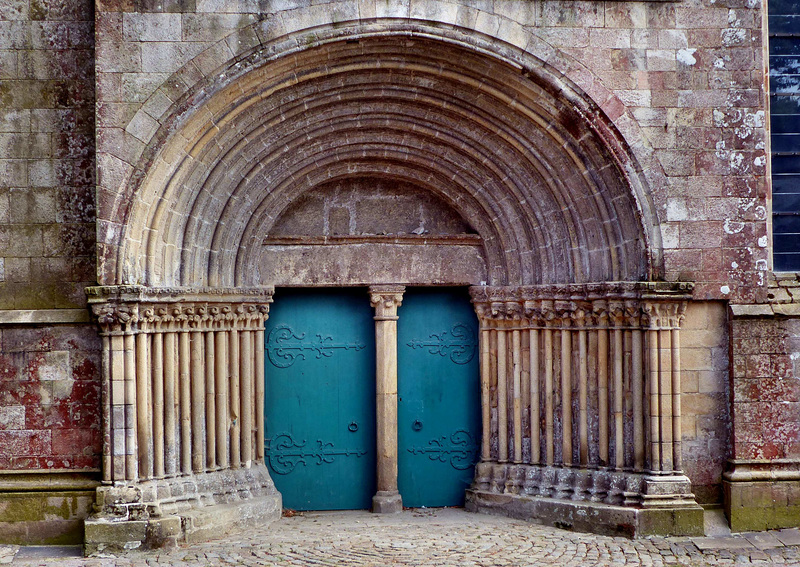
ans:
(566, 397)
(502, 396)
(677, 460)
(211, 401)
(170, 403)
(486, 399)
(247, 397)
(516, 369)
(235, 403)
(386, 300)
(221, 376)
(158, 404)
(535, 399)
(602, 395)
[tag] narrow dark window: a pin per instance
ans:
(784, 83)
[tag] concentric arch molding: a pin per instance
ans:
(538, 169)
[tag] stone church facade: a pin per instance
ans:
(595, 174)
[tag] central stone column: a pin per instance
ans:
(386, 299)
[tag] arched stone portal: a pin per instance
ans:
(290, 167)
(534, 166)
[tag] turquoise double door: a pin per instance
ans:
(320, 397)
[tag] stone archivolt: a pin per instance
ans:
(535, 179)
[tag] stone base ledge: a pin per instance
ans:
(762, 495)
(186, 508)
(604, 519)
(602, 486)
(107, 536)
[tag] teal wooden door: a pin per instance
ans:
(438, 396)
(320, 399)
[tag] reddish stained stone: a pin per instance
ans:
(25, 393)
(763, 450)
(746, 391)
(57, 416)
(85, 368)
(770, 450)
(75, 442)
(782, 366)
(86, 414)
(8, 370)
(34, 416)
(85, 391)
(758, 365)
(25, 443)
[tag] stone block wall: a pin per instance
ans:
(50, 440)
(682, 84)
(46, 154)
(704, 381)
(762, 485)
(766, 389)
(49, 398)
(49, 355)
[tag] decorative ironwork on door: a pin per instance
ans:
(459, 449)
(459, 343)
(320, 398)
(438, 396)
(284, 453)
(284, 346)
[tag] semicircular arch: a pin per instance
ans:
(519, 152)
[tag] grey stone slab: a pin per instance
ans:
(763, 540)
(716, 543)
(789, 536)
(49, 551)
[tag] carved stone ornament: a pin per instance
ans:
(385, 299)
(135, 309)
(615, 304)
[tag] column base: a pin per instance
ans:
(385, 502)
(181, 509)
(601, 501)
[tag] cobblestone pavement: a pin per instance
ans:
(437, 537)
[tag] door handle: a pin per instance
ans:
(353, 427)
(417, 425)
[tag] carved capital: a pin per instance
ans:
(385, 299)
(663, 314)
(115, 317)
(137, 309)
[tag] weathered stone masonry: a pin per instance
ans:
(565, 142)
(183, 413)
(611, 352)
